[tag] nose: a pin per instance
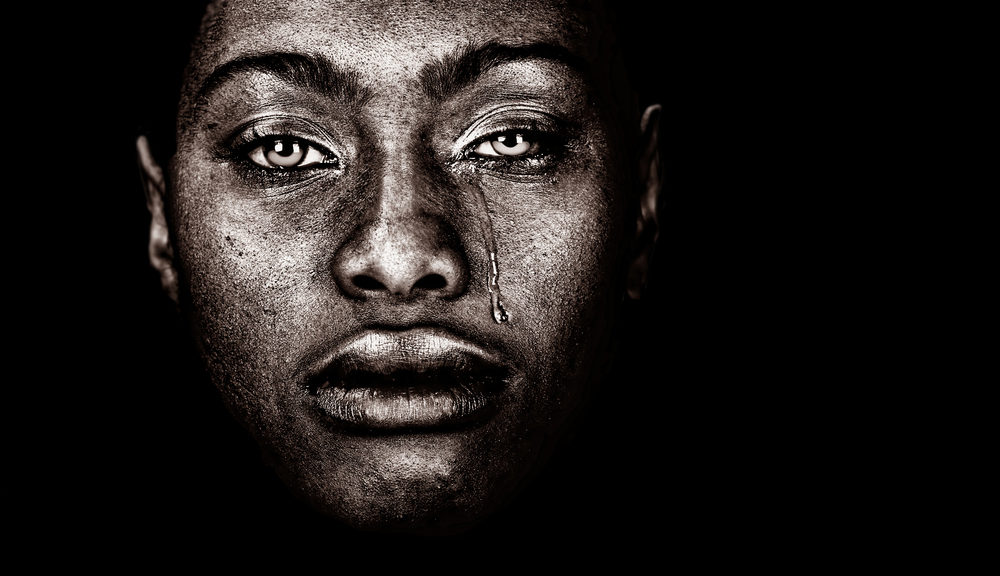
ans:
(403, 256)
(404, 245)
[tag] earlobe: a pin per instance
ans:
(161, 252)
(647, 221)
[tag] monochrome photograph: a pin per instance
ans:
(461, 277)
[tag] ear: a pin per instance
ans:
(647, 225)
(161, 251)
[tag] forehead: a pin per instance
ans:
(383, 39)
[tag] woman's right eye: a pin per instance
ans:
(288, 153)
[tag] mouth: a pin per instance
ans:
(413, 380)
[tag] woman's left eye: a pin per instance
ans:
(508, 144)
(284, 153)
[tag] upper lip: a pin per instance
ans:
(414, 349)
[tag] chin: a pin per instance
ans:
(420, 483)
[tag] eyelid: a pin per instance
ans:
(527, 119)
(305, 153)
(252, 132)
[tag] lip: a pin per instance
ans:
(408, 380)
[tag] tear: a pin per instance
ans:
(493, 285)
(499, 312)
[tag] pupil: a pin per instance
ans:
(510, 140)
(284, 149)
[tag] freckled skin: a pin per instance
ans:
(263, 264)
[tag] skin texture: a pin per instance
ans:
(393, 228)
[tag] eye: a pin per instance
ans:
(284, 153)
(508, 144)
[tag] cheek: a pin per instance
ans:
(248, 281)
(558, 252)
(229, 264)
(253, 265)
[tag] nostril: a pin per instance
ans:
(365, 282)
(431, 282)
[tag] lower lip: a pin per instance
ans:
(414, 408)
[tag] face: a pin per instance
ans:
(399, 232)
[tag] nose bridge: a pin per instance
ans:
(408, 216)
(400, 192)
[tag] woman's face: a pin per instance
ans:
(399, 231)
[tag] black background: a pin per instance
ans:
(130, 449)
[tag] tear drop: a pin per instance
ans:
(499, 311)
(493, 285)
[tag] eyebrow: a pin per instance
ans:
(447, 76)
(304, 70)
(439, 79)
